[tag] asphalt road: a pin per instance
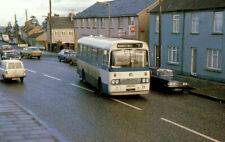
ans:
(54, 93)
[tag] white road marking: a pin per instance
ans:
(52, 77)
(82, 88)
(127, 104)
(190, 130)
(31, 71)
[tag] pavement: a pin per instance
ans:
(206, 88)
(18, 125)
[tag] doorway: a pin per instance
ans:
(157, 56)
(193, 61)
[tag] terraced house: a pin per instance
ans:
(129, 19)
(193, 40)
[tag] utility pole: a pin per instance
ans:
(160, 16)
(26, 15)
(16, 30)
(50, 23)
(109, 16)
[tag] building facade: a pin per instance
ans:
(129, 19)
(62, 33)
(193, 40)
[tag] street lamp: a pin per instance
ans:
(109, 24)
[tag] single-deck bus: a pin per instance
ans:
(114, 66)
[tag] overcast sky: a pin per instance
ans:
(39, 8)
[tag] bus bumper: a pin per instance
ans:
(129, 93)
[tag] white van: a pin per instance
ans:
(12, 69)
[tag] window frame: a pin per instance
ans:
(194, 23)
(211, 65)
(176, 23)
(214, 22)
(171, 57)
(120, 22)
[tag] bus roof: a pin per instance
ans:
(105, 42)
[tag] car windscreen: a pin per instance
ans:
(129, 58)
(165, 73)
(14, 66)
(35, 49)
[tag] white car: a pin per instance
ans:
(12, 69)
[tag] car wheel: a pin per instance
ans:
(39, 57)
(59, 59)
(21, 79)
(29, 56)
(3, 77)
(71, 63)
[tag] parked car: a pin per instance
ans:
(31, 52)
(10, 54)
(72, 58)
(64, 54)
(163, 78)
(41, 47)
(12, 70)
(5, 48)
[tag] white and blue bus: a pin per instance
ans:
(114, 66)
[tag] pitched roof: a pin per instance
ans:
(62, 22)
(35, 35)
(189, 5)
(118, 8)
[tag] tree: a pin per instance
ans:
(33, 20)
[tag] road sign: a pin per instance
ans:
(132, 30)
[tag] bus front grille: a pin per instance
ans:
(130, 81)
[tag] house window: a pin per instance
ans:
(71, 33)
(176, 22)
(213, 59)
(195, 23)
(130, 20)
(94, 22)
(81, 23)
(172, 55)
(218, 22)
(157, 24)
(120, 22)
(111, 22)
(102, 22)
(87, 23)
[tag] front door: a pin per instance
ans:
(193, 61)
(157, 56)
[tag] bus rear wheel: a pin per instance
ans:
(83, 77)
(99, 89)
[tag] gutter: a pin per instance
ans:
(182, 47)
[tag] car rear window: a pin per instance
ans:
(14, 66)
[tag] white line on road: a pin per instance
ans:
(127, 104)
(190, 130)
(52, 77)
(31, 71)
(82, 88)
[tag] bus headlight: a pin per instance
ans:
(144, 80)
(115, 81)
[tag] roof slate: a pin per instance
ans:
(118, 8)
(62, 22)
(189, 5)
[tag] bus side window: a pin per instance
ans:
(84, 50)
(89, 51)
(105, 60)
(78, 49)
(94, 53)
(100, 54)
